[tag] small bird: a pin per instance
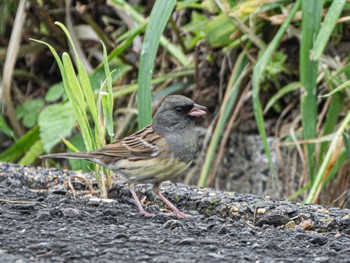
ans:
(159, 152)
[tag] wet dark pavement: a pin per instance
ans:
(40, 221)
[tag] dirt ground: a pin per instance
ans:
(40, 221)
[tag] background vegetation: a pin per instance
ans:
(277, 68)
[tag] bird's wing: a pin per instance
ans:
(142, 144)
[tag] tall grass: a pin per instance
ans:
(81, 97)
(158, 20)
(258, 71)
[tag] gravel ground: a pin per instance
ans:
(40, 221)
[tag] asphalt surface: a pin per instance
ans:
(41, 221)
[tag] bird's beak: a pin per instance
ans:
(197, 110)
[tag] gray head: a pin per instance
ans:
(176, 113)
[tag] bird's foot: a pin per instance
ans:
(178, 214)
(146, 214)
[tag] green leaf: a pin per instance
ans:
(219, 29)
(20, 146)
(276, 65)
(29, 112)
(55, 122)
(55, 92)
(196, 26)
(197, 23)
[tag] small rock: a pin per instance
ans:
(223, 230)
(255, 245)
(139, 239)
(234, 209)
(187, 241)
(322, 259)
(261, 211)
(71, 212)
(299, 229)
(320, 240)
(172, 224)
(307, 224)
(216, 256)
(273, 220)
(290, 225)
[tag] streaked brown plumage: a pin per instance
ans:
(154, 154)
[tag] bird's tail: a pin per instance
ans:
(82, 155)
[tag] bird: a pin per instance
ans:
(161, 151)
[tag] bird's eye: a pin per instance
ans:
(179, 110)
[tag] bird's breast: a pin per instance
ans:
(183, 145)
(152, 170)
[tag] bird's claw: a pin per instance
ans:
(181, 215)
(146, 214)
(178, 214)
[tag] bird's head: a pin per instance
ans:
(177, 112)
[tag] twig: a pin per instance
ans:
(79, 50)
(177, 33)
(16, 201)
(81, 178)
(227, 134)
(11, 56)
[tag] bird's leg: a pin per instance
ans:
(137, 200)
(175, 210)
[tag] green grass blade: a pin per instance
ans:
(70, 145)
(257, 76)
(282, 92)
(85, 87)
(107, 100)
(333, 113)
(300, 191)
(346, 84)
(167, 45)
(127, 42)
(127, 89)
(4, 128)
(331, 150)
(225, 110)
(326, 30)
(346, 144)
(33, 153)
(73, 93)
(342, 157)
(76, 98)
(311, 19)
(159, 17)
(20, 146)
